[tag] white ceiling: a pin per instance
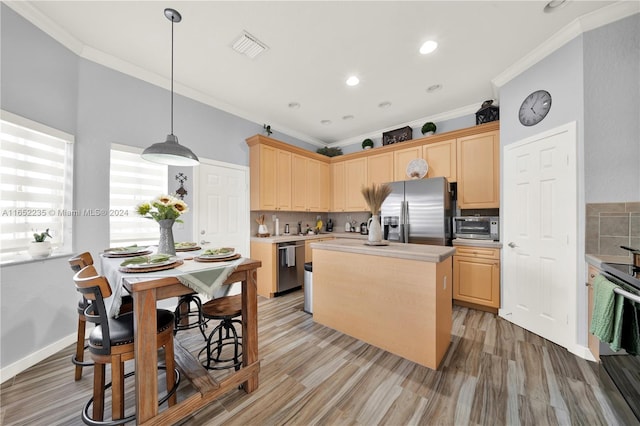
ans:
(313, 48)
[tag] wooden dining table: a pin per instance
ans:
(146, 294)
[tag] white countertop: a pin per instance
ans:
(476, 243)
(420, 252)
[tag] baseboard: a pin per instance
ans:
(582, 351)
(17, 367)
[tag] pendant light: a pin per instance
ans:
(170, 152)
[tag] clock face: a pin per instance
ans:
(534, 108)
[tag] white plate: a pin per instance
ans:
(151, 265)
(217, 256)
(131, 250)
(185, 245)
(417, 168)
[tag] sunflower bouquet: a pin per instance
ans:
(163, 207)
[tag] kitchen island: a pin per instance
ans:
(396, 297)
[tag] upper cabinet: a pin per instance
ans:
(478, 161)
(287, 178)
(355, 177)
(380, 168)
(401, 159)
(269, 168)
(441, 158)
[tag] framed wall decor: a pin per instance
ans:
(397, 135)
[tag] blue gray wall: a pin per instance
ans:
(45, 82)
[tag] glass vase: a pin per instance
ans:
(375, 230)
(166, 244)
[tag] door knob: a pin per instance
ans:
(204, 242)
(202, 232)
(512, 245)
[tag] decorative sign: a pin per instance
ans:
(398, 135)
(181, 192)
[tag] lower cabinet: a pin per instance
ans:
(476, 277)
(308, 251)
(267, 277)
(592, 341)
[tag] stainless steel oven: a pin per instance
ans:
(477, 227)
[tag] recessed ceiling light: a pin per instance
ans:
(353, 81)
(428, 47)
(434, 88)
(554, 5)
(347, 117)
(294, 105)
(385, 104)
(325, 122)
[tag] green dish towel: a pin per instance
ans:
(603, 317)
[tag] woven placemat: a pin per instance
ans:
(222, 259)
(152, 268)
(188, 249)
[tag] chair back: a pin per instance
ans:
(95, 288)
(80, 261)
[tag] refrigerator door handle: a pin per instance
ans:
(405, 234)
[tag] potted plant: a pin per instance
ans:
(367, 144)
(39, 248)
(330, 151)
(428, 128)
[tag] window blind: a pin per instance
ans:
(36, 185)
(133, 181)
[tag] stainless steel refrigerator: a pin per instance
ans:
(418, 211)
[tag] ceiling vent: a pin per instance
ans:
(249, 45)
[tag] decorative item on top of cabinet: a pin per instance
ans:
(397, 135)
(330, 151)
(478, 169)
(367, 144)
(428, 128)
(476, 278)
(487, 112)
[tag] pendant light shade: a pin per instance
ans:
(170, 152)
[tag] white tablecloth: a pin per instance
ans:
(203, 277)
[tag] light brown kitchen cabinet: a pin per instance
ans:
(267, 275)
(355, 176)
(338, 188)
(401, 159)
(476, 277)
(380, 168)
(441, 159)
(308, 251)
(592, 341)
(317, 180)
(270, 169)
(478, 169)
(299, 189)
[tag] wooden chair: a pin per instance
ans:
(77, 263)
(111, 342)
(224, 309)
(186, 317)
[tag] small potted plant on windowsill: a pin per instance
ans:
(367, 144)
(39, 248)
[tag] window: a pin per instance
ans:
(36, 181)
(133, 181)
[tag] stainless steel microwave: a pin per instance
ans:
(477, 227)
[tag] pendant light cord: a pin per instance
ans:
(172, 23)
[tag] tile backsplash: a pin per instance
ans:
(611, 225)
(307, 218)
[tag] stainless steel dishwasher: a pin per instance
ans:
(290, 265)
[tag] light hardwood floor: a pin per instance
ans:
(494, 373)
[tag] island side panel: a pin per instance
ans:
(390, 303)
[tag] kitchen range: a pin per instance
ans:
(624, 368)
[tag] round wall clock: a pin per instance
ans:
(534, 108)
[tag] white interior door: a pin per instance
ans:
(222, 210)
(540, 234)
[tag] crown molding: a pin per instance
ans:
(580, 25)
(448, 115)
